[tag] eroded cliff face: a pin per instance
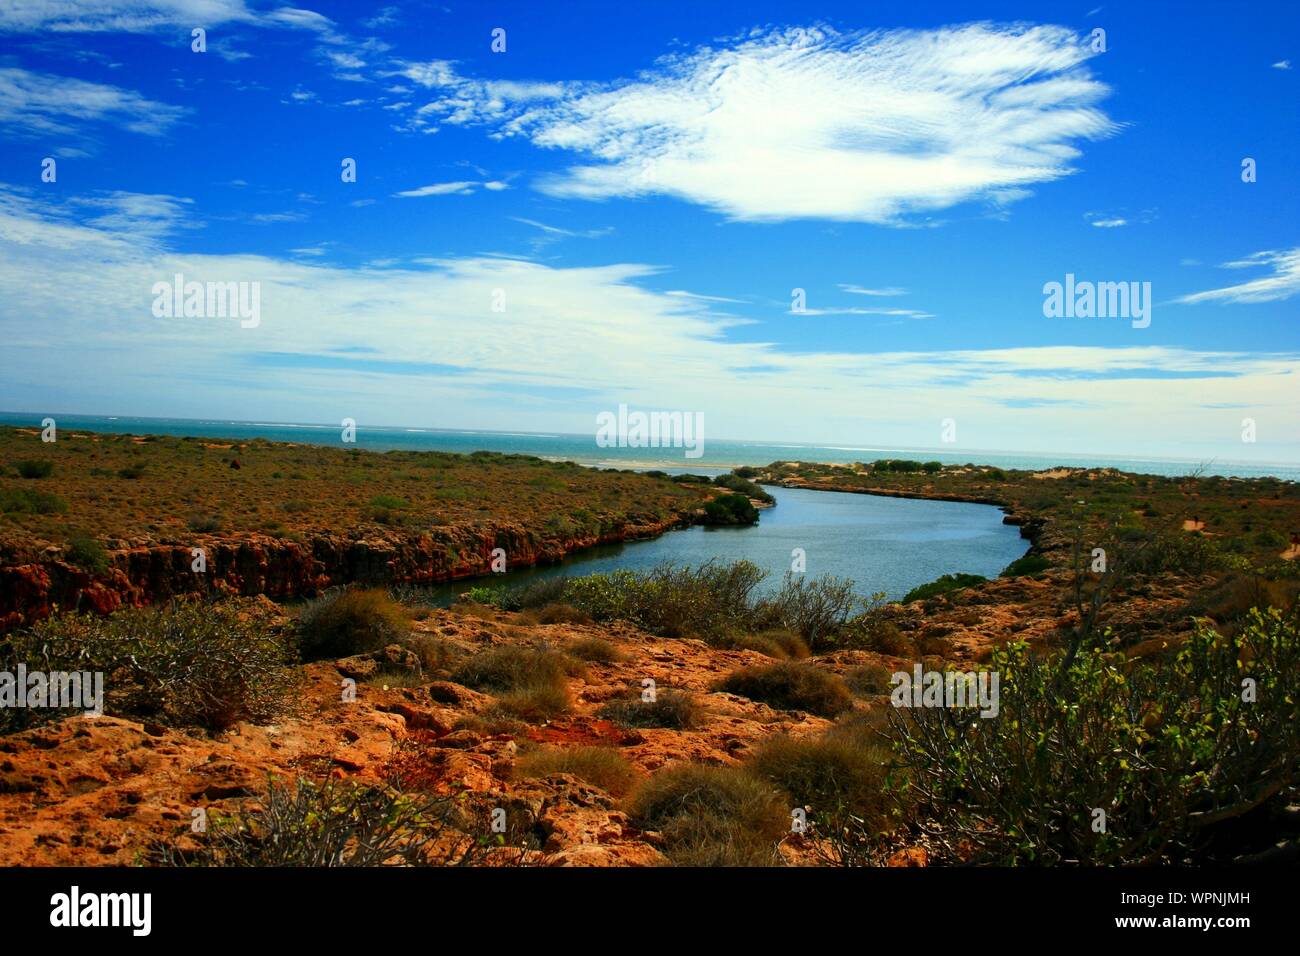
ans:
(32, 585)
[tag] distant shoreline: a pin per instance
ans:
(721, 455)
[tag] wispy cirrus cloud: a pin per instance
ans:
(854, 310)
(873, 126)
(460, 188)
(42, 103)
(1282, 283)
(143, 16)
(860, 290)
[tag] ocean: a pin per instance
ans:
(719, 454)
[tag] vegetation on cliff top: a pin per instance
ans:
(151, 488)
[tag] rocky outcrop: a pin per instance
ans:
(32, 586)
(109, 790)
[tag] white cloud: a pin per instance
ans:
(682, 293)
(1282, 65)
(571, 342)
(142, 16)
(1108, 223)
(894, 313)
(440, 189)
(810, 123)
(859, 290)
(1282, 283)
(463, 188)
(557, 231)
(44, 103)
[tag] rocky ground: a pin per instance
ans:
(103, 790)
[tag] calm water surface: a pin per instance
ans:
(883, 544)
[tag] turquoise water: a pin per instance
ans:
(719, 454)
(882, 544)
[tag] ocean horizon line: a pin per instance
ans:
(993, 457)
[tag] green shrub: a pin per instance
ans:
(86, 553)
(1167, 748)
(536, 593)
(350, 621)
(946, 583)
(710, 601)
(790, 686)
(35, 468)
(185, 664)
(1270, 538)
(712, 816)
(743, 486)
(31, 501)
(814, 608)
(1028, 564)
(730, 510)
(492, 595)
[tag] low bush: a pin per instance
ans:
(814, 608)
(203, 522)
(186, 664)
(712, 816)
(595, 650)
(86, 553)
(1176, 752)
(730, 510)
(602, 767)
(436, 655)
(671, 709)
(869, 680)
(35, 468)
(832, 776)
(529, 683)
(743, 486)
(336, 823)
(537, 593)
(1028, 564)
(777, 643)
(943, 585)
(711, 601)
(350, 621)
(790, 686)
(31, 501)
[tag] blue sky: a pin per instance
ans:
(639, 188)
